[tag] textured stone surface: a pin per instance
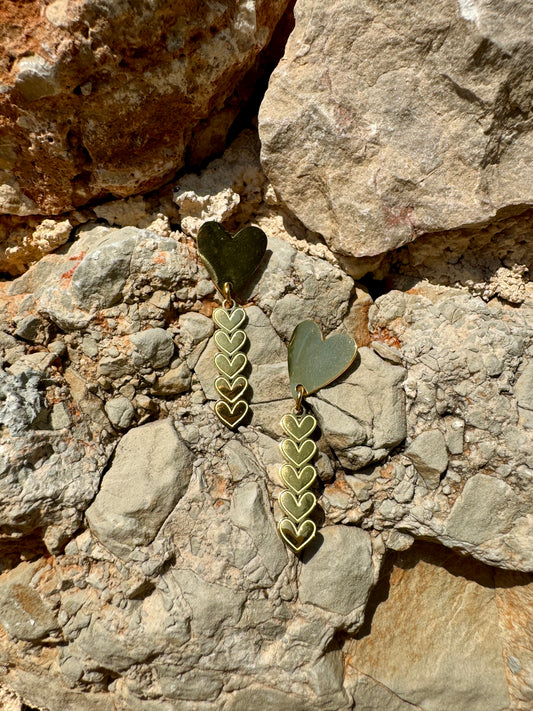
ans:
(74, 83)
(421, 115)
(133, 503)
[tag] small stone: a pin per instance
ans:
(28, 328)
(60, 416)
(120, 412)
(428, 454)
(154, 346)
(175, 381)
(195, 327)
(338, 575)
(90, 347)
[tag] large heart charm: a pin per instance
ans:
(231, 391)
(299, 537)
(298, 454)
(229, 320)
(231, 415)
(231, 259)
(314, 361)
(298, 427)
(231, 366)
(298, 481)
(229, 344)
(297, 508)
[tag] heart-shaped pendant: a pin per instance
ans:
(297, 508)
(297, 481)
(314, 361)
(231, 259)
(298, 427)
(231, 415)
(299, 537)
(231, 366)
(298, 454)
(231, 391)
(229, 320)
(229, 344)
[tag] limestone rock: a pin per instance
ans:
(339, 574)
(149, 474)
(71, 96)
(428, 454)
(426, 604)
(404, 111)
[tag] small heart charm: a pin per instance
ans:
(230, 344)
(299, 537)
(297, 508)
(298, 481)
(231, 392)
(298, 427)
(231, 367)
(231, 415)
(314, 361)
(231, 259)
(298, 454)
(229, 320)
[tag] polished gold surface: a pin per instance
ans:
(298, 454)
(231, 415)
(298, 428)
(231, 390)
(230, 259)
(297, 537)
(314, 361)
(229, 319)
(230, 343)
(297, 480)
(297, 507)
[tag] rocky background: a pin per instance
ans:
(389, 161)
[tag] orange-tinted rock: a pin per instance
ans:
(100, 101)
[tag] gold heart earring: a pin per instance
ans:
(230, 261)
(314, 362)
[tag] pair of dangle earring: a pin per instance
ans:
(313, 361)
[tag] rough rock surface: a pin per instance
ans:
(101, 99)
(381, 123)
(140, 567)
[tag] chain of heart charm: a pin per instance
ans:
(230, 361)
(298, 475)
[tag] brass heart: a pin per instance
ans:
(298, 454)
(231, 415)
(229, 344)
(298, 427)
(314, 361)
(229, 320)
(297, 508)
(231, 392)
(298, 481)
(299, 537)
(231, 259)
(231, 367)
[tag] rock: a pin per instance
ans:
(211, 604)
(175, 381)
(414, 134)
(20, 400)
(153, 347)
(60, 416)
(120, 412)
(265, 699)
(23, 613)
(250, 511)
(523, 388)
(24, 244)
(70, 149)
(339, 574)
(362, 416)
(149, 473)
(428, 453)
(430, 604)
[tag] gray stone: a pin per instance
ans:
(356, 108)
(100, 277)
(60, 416)
(23, 613)
(250, 510)
(154, 347)
(28, 328)
(261, 698)
(20, 400)
(37, 362)
(175, 381)
(485, 510)
(523, 388)
(428, 453)
(269, 382)
(195, 327)
(196, 685)
(240, 460)
(211, 604)
(339, 575)
(120, 412)
(149, 474)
